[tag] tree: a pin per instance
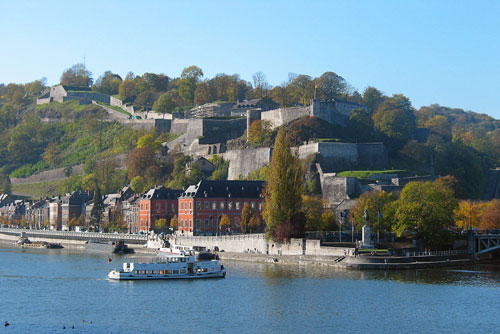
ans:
(361, 124)
(138, 184)
(202, 94)
(187, 83)
(254, 223)
(425, 209)
(372, 99)
(284, 185)
(469, 213)
(140, 161)
(374, 201)
(174, 223)
(225, 222)
(313, 209)
(5, 187)
(160, 224)
(127, 90)
(302, 89)
(108, 83)
(328, 221)
(164, 104)
(295, 227)
(260, 133)
(260, 84)
(149, 141)
(77, 75)
(491, 217)
(331, 85)
(97, 209)
(246, 214)
(51, 154)
(145, 100)
(395, 118)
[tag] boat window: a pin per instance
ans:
(183, 271)
(161, 272)
(183, 260)
(168, 272)
(204, 270)
(176, 272)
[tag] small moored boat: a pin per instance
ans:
(173, 266)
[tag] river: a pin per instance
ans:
(42, 291)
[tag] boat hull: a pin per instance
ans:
(121, 276)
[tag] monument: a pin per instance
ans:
(367, 233)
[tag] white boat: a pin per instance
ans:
(201, 253)
(174, 250)
(174, 266)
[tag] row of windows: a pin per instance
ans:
(222, 205)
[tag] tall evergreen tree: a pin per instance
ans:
(98, 209)
(284, 185)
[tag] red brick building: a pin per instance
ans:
(202, 205)
(157, 203)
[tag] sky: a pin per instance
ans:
(433, 51)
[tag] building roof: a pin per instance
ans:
(225, 189)
(161, 193)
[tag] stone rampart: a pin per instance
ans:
(278, 117)
(49, 175)
(119, 103)
(242, 162)
(161, 125)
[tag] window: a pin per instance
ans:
(237, 205)
(222, 205)
(207, 205)
(182, 205)
(158, 207)
(206, 223)
(190, 223)
(252, 205)
(230, 205)
(260, 206)
(198, 223)
(198, 205)
(214, 205)
(190, 205)
(142, 206)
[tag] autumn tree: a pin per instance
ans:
(284, 185)
(51, 154)
(375, 202)
(127, 90)
(160, 224)
(260, 133)
(469, 213)
(254, 223)
(425, 209)
(149, 141)
(313, 208)
(246, 214)
(142, 161)
(97, 209)
(202, 94)
(174, 223)
(77, 75)
(294, 227)
(225, 222)
(491, 216)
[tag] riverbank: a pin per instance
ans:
(363, 262)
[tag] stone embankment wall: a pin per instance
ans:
(119, 103)
(112, 113)
(257, 243)
(278, 117)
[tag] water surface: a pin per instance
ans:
(43, 290)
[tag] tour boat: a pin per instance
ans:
(173, 266)
(201, 253)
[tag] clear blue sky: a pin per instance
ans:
(445, 52)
